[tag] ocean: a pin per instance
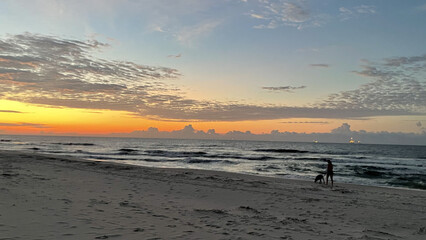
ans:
(402, 166)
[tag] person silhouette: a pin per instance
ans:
(329, 172)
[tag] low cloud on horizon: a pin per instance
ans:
(340, 134)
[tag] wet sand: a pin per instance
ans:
(51, 197)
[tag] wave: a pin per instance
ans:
(163, 153)
(127, 151)
(411, 181)
(337, 152)
(224, 156)
(106, 158)
(312, 158)
(210, 145)
(238, 156)
(372, 172)
(79, 151)
(258, 158)
(5, 140)
(202, 161)
(281, 150)
(56, 152)
(207, 157)
(155, 152)
(193, 153)
(299, 169)
(267, 168)
(157, 160)
(75, 144)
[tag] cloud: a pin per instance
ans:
(321, 65)
(283, 88)
(162, 16)
(344, 129)
(400, 61)
(258, 16)
(291, 12)
(299, 14)
(207, 111)
(9, 111)
(34, 125)
(308, 122)
(60, 72)
(365, 9)
(354, 12)
(340, 134)
(287, 13)
(279, 13)
(157, 28)
(188, 35)
(175, 56)
(397, 85)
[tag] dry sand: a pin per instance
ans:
(50, 197)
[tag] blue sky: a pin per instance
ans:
(266, 55)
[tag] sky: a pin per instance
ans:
(102, 67)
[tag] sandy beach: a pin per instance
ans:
(51, 197)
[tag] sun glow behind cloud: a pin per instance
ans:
(36, 119)
(40, 119)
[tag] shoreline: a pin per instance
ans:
(50, 197)
(206, 171)
(113, 162)
(399, 167)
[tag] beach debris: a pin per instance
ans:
(422, 231)
(65, 200)
(95, 201)
(10, 174)
(107, 236)
(102, 237)
(289, 220)
(255, 233)
(216, 211)
(247, 208)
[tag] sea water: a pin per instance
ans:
(365, 164)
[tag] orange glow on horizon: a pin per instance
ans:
(36, 119)
(24, 118)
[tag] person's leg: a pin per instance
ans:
(326, 179)
(331, 177)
